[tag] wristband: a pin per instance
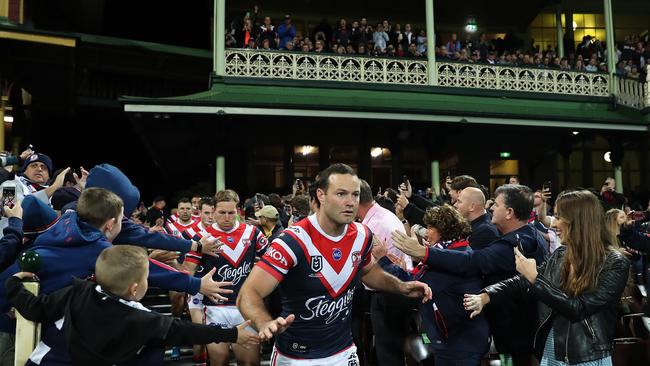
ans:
(199, 247)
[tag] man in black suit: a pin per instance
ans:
(471, 204)
(408, 37)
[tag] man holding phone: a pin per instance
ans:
(611, 198)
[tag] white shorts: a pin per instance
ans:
(224, 317)
(195, 302)
(347, 357)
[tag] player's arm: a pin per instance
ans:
(375, 277)
(250, 302)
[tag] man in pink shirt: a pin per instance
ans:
(387, 312)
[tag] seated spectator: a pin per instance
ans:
(318, 48)
(289, 46)
(350, 50)
(564, 64)
(362, 49)
(593, 65)
(305, 47)
(580, 66)
(413, 51)
(634, 73)
(91, 333)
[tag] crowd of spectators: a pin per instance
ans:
(361, 37)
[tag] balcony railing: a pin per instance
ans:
(402, 71)
(633, 93)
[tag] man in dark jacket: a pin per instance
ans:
(471, 204)
(510, 324)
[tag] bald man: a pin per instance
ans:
(471, 204)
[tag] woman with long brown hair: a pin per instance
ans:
(578, 288)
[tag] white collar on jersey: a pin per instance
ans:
(314, 222)
(216, 226)
(132, 304)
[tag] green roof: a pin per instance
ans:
(426, 101)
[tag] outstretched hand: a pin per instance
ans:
(275, 326)
(213, 289)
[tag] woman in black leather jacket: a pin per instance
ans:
(578, 288)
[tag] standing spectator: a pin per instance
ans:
(421, 41)
(396, 35)
(471, 205)
(454, 44)
(577, 291)
(380, 38)
(457, 339)
(357, 34)
(483, 47)
(155, 213)
(342, 33)
(286, 32)
(389, 326)
(268, 32)
(323, 27)
(408, 37)
(270, 224)
(510, 324)
(609, 196)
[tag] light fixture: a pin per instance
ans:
(575, 25)
(471, 26)
(376, 152)
(608, 156)
(306, 150)
(575, 133)
(9, 119)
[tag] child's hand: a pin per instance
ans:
(23, 275)
(245, 337)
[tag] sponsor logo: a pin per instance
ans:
(263, 241)
(337, 254)
(230, 240)
(320, 307)
(234, 275)
(356, 258)
(195, 301)
(316, 263)
(246, 242)
(276, 255)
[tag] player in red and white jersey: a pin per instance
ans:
(192, 265)
(242, 243)
(196, 208)
(184, 221)
(317, 264)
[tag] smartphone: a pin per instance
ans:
(8, 196)
(405, 179)
(546, 185)
(519, 246)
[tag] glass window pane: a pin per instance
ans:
(590, 20)
(600, 20)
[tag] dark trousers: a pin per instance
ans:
(390, 315)
(457, 359)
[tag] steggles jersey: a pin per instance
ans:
(318, 274)
(175, 228)
(241, 246)
(195, 232)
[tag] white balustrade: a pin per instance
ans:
(404, 71)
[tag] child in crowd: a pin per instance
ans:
(104, 323)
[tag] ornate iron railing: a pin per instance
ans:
(361, 69)
(633, 93)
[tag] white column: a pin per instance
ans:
(219, 38)
(221, 173)
(435, 177)
(618, 177)
(611, 47)
(558, 28)
(432, 70)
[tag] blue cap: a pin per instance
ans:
(38, 157)
(109, 177)
(38, 217)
